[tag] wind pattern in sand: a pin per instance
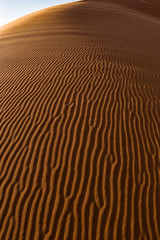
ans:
(80, 126)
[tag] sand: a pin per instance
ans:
(80, 124)
(151, 7)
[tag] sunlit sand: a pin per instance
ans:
(80, 124)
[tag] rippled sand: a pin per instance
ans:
(80, 125)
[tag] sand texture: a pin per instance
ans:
(80, 125)
(147, 6)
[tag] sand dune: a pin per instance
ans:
(80, 124)
(147, 6)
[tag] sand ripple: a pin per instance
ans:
(80, 125)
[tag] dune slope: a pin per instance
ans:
(147, 6)
(80, 125)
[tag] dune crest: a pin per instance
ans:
(80, 117)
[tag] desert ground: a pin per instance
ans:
(80, 124)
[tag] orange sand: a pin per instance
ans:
(146, 6)
(80, 125)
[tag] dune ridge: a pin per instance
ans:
(80, 117)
